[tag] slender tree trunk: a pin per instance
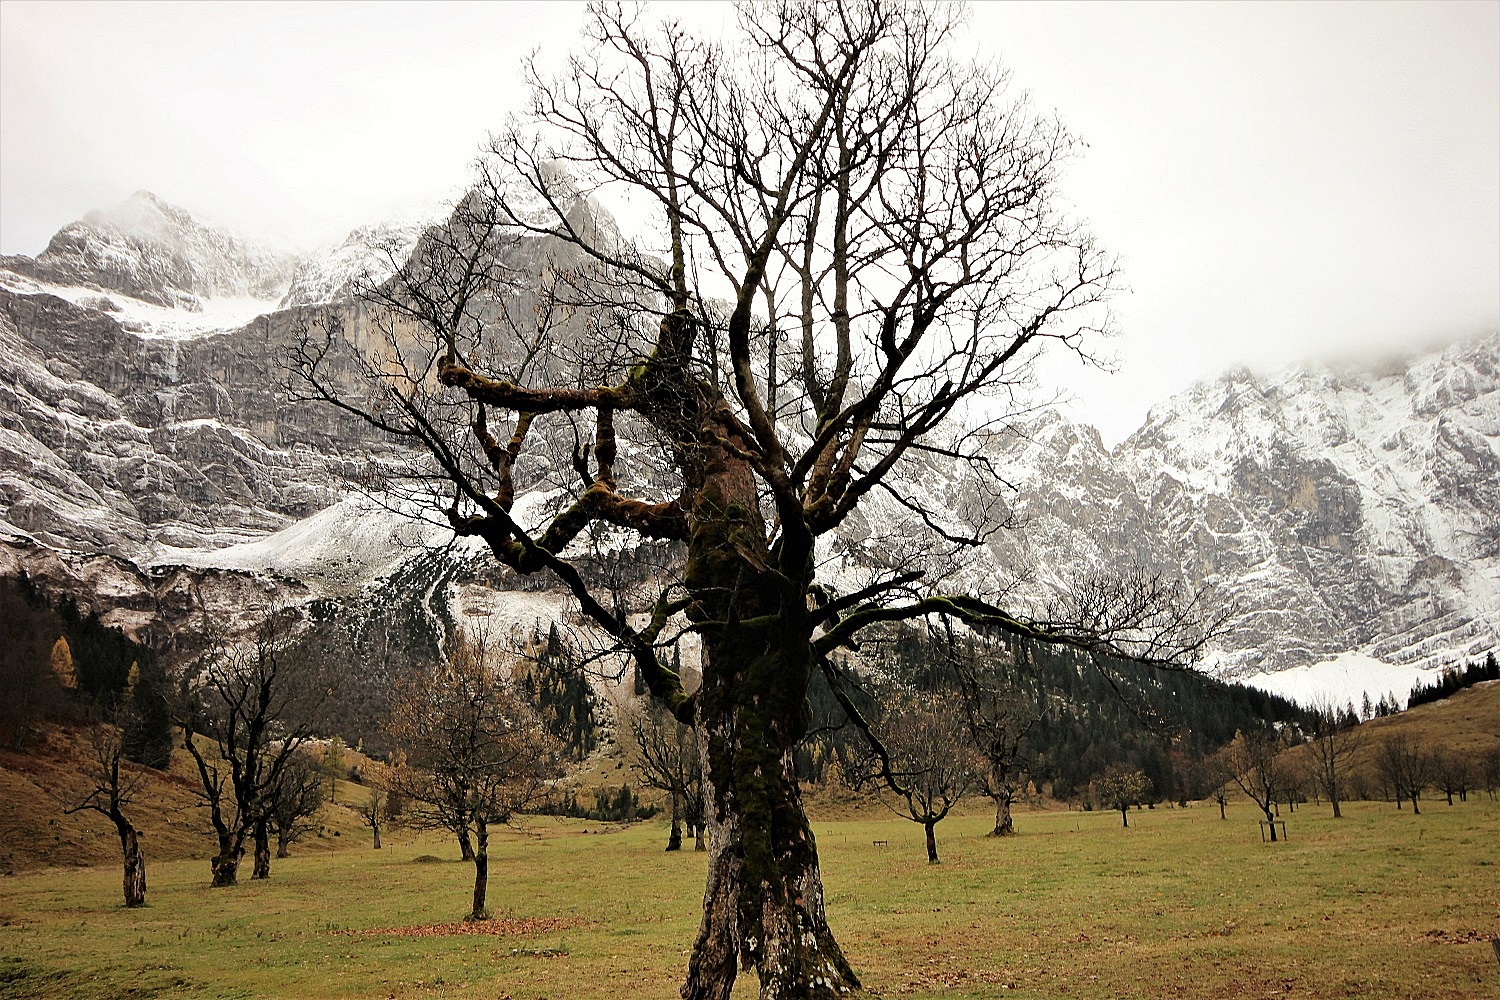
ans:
(283, 844)
(465, 845)
(1337, 814)
(481, 870)
(674, 839)
(930, 827)
(698, 842)
(262, 866)
(376, 828)
(1270, 820)
(1125, 815)
(1221, 808)
(135, 862)
(1415, 809)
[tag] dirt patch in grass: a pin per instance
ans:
(493, 926)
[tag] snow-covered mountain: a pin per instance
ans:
(369, 255)
(1346, 513)
(149, 250)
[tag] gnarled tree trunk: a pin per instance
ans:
(135, 862)
(226, 864)
(763, 904)
(262, 866)
(1005, 826)
(465, 845)
(674, 838)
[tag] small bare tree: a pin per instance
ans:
(1217, 774)
(924, 762)
(253, 700)
(111, 783)
(295, 801)
(1336, 743)
(1254, 762)
(1452, 772)
(473, 753)
(1121, 787)
(998, 722)
(376, 809)
(1489, 770)
(1405, 767)
(664, 752)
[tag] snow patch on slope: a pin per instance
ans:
(1344, 680)
(146, 319)
(340, 548)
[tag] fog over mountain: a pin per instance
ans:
(148, 457)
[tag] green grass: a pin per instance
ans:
(1181, 904)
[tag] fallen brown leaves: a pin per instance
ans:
(1456, 937)
(494, 926)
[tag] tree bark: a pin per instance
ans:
(1336, 813)
(931, 828)
(481, 870)
(283, 844)
(135, 862)
(674, 839)
(763, 905)
(262, 866)
(465, 845)
(226, 864)
(376, 828)
(226, 870)
(1125, 815)
(1004, 825)
(699, 844)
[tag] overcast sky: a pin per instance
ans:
(1281, 181)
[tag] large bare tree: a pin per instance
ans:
(851, 251)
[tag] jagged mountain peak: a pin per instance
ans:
(143, 214)
(151, 250)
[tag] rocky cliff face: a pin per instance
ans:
(1336, 509)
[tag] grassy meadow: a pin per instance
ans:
(1180, 904)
